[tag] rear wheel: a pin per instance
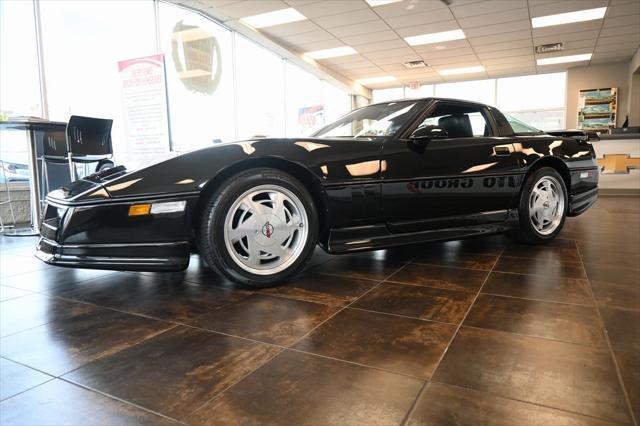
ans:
(543, 206)
(259, 228)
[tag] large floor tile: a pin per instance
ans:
(595, 247)
(555, 374)
(44, 280)
(569, 323)
(321, 288)
(555, 289)
(550, 267)
(197, 272)
(426, 303)
(443, 405)
(560, 249)
(175, 372)
(266, 318)
(623, 328)
(7, 293)
(483, 262)
(613, 274)
(611, 258)
(628, 362)
(403, 345)
(300, 389)
(492, 245)
(616, 295)
(360, 266)
(154, 296)
(11, 265)
(441, 277)
(60, 403)
(16, 378)
(70, 342)
(30, 311)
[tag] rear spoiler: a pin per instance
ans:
(582, 135)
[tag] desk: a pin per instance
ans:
(21, 144)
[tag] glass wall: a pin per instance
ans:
(82, 44)
(20, 82)
(483, 91)
(538, 100)
(199, 66)
(260, 104)
(220, 86)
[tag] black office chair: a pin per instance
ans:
(54, 151)
(88, 141)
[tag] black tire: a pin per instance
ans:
(526, 232)
(210, 230)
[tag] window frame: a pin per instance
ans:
(431, 108)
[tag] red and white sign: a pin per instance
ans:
(144, 100)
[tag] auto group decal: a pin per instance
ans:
(467, 184)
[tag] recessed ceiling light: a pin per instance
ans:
(374, 3)
(569, 17)
(331, 53)
(435, 37)
(374, 80)
(564, 59)
(465, 70)
(277, 17)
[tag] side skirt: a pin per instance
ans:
(376, 237)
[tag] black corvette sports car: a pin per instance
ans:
(385, 175)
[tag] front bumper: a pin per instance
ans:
(579, 203)
(104, 236)
(172, 256)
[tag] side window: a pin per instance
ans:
(459, 121)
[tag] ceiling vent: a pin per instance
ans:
(552, 47)
(414, 64)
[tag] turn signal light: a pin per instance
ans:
(139, 209)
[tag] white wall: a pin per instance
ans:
(595, 77)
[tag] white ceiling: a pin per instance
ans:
(499, 34)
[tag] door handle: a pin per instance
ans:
(502, 150)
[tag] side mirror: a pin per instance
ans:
(429, 132)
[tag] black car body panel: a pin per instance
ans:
(372, 192)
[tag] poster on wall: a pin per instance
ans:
(597, 109)
(310, 117)
(144, 99)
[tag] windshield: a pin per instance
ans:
(375, 120)
(520, 126)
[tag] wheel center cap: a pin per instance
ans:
(546, 204)
(267, 229)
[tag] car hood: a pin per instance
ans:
(190, 172)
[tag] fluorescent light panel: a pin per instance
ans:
(435, 37)
(374, 3)
(374, 80)
(331, 53)
(277, 17)
(564, 59)
(465, 70)
(569, 17)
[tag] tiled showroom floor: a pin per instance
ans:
(472, 332)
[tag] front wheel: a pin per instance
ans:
(543, 206)
(259, 228)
